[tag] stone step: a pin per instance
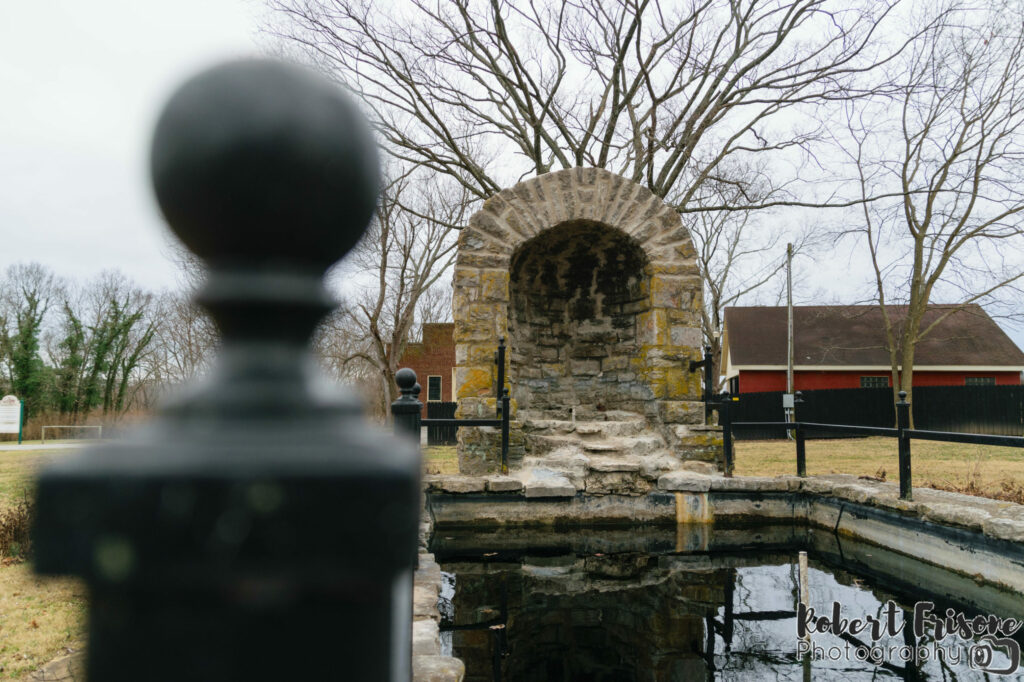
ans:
(532, 425)
(581, 414)
(640, 444)
(632, 445)
(610, 429)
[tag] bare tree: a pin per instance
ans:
(100, 349)
(951, 142)
(741, 255)
(664, 94)
(185, 341)
(676, 96)
(390, 278)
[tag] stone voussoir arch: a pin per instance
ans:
(668, 332)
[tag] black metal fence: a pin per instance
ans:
(408, 410)
(441, 434)
(728, 409)
(993, 410)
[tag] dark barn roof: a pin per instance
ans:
(854, 336)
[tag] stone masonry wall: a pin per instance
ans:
(577, 290)
(593, 280)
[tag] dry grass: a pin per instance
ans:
(973, 469)
(440, 459)
(40, 618)
(17, 469)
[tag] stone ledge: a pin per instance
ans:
(503, 484)
(428, 665)
(994, 518)
(547, 483)
(437, 669)
(685, 481)
(454, 483)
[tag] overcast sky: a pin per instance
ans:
(81, 84)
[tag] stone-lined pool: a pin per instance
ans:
(643, 604)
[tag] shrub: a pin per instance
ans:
(15, 524)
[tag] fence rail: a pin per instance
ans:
(408, 410)
(995, 410)
(903, 433)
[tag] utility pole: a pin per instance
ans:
(787, 401)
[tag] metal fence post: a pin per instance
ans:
(903, 425)
(725, 417)
(258, 528)
(709, 389)
(801, 445)
(407, 410)
(709, 394)
(505, 416)
(499, 360)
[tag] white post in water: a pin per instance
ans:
(805, 591)
(805, 599)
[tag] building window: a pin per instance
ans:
(979, 381)
(874, 382)
(434, 389)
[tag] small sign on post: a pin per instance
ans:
(10, 415)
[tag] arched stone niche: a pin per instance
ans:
(593, 281)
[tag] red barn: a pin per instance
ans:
(433, 360)
(845, 347)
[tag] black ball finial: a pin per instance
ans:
(263, 164)
(406, 380)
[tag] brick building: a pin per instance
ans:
(433, 360)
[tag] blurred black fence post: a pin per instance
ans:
(903, 425)
(801, 443)
(407, 410)
(257, 528)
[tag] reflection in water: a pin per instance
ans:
(645, 605)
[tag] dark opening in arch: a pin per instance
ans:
(576, 293)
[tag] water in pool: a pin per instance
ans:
(647, 605)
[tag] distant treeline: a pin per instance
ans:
(105, 346)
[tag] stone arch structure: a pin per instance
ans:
(593, 280)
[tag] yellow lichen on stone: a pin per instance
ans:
(473, 382)
(474, 353)
(494, 286)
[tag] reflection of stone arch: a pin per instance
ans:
(585, 204)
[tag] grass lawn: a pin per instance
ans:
(973, 469)
(16, 472)
(40, 618)
(440, 459)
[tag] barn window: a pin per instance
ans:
(433, 389)
(979, 381)
(874, 382)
